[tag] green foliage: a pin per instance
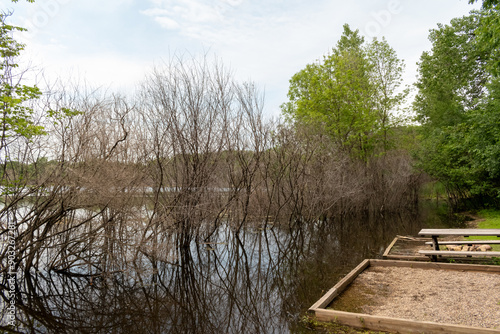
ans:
(20, 123)
(16, 115)
(387, 77)
(487, 4)
(452, 75)
(351, 93)
(464, 158)
(488, 32)
(457, 105)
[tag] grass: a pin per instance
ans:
(491, 220)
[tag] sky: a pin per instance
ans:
(115, 43)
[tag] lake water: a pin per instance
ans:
(257, 279)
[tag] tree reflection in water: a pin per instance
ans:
(249, 280)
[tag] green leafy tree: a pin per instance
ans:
(387, 78)
(487, 3)
(351, 93)
(19, 121)
(16, 113)
(488, 33)
(452, 76)
(457, 106)
(484, 144)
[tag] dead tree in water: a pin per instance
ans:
(203, 134)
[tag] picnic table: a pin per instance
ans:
(436, 233)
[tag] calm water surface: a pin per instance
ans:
(258, 279)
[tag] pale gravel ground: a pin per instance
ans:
(443, 296)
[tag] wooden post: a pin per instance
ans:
(436, 247)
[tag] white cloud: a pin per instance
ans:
(233, 2)
(197, 11)
(156, 12)
(208, 21)
(167, 23)
(187, 12)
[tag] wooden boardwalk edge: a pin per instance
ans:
(380, 323)
(388, 249)
(417, 257)
(340, 286)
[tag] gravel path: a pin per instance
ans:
(443, 296)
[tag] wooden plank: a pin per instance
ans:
(462, 232)
(435, 265)
(340, 286)
(380, 323)
(407, 257)
(388, 250)
(466, 242)
(467, 253)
